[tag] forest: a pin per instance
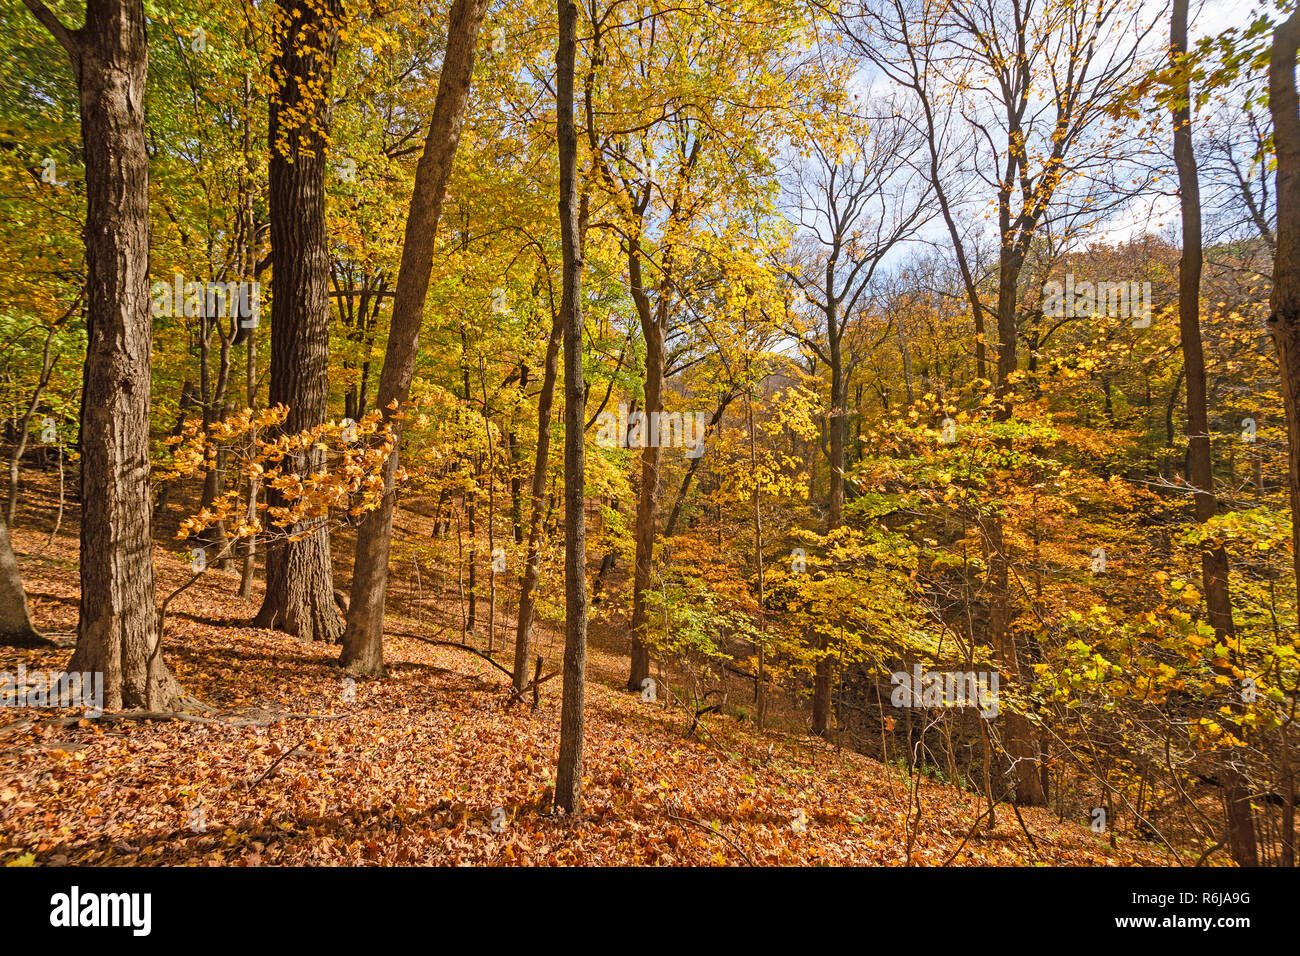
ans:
(633, 432)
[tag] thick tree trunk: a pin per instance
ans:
(821, 712)
(299, 577)
(1018, 731)
(568, 775)
(117, 632)
(1284, 317)
(363, 641)
(16, 628)
(1018, 734)
(533, 565)
(647, 507)
(1009, 266)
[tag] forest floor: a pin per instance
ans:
(427, 766)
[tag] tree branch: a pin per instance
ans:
(67, 38)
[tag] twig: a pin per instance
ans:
(275, 763)
(668, 808)
(1204, 856)
(970, 833)
(531, 685)
(1032, 842)
(464, 647)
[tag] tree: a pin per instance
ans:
(1033, 85)
(568, 774)
(1200, 465)
(537, 492)
(681, 158)
(858, 199)
(1284, 305)
(363, 647)
(299, 577)
(117, 631)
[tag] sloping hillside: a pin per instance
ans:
(429, 767)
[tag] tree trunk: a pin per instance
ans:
(1020, 747)
(760, 696)
(249, 565)
(648, 496)
(1214, 561)
(671, 526)
(516, 483)
(1284, 309)
(117, 633)
(838, 424)
(568, 775)
(533, 567)
(189, 399)
(363, 640)
(823, 677)
(1200, 467)
(16, 628)
(299, 577)
(213, 397)
(24, 424)
(471, 526)
(247, 265)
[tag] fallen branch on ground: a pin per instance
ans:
(163, 715)
(668, 808)
(464, 647)
(275, 763)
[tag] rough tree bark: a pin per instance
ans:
(1284, 309)
(1019, 742)
(647, 511)
(299, 578)
(117, 632)
(568, 775)
(1284, 312)
(363, 640)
